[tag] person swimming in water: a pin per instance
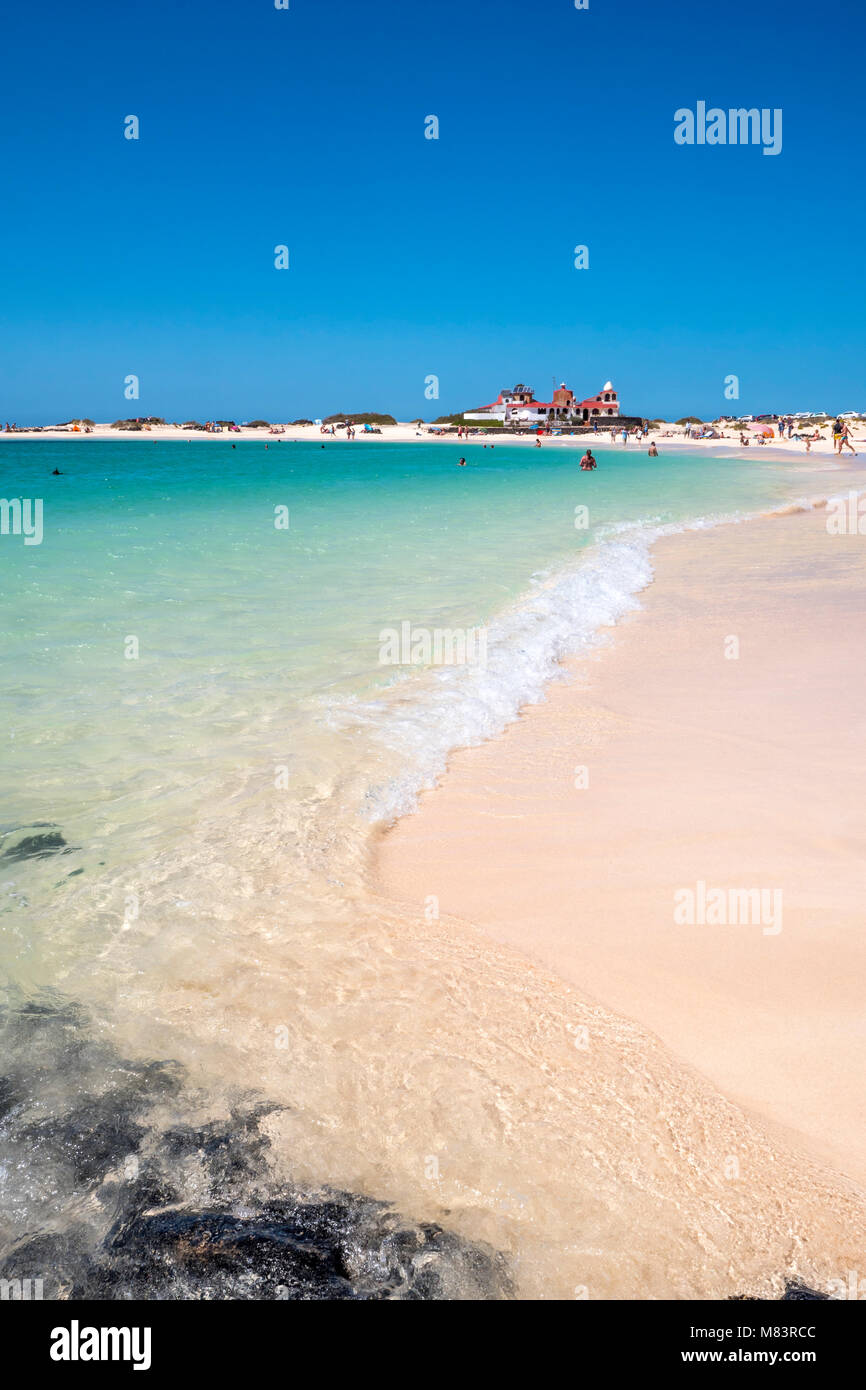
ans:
(461, 463)
(57, 473)
(652, 450)
(588, 462)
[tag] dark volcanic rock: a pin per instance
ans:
(339, 1248)
(794, 1292)
(109, 1197)
(38, 846)
(797, 1292)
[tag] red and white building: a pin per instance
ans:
(520, 407)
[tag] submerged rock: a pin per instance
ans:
(801, 1292)
(338, 1248)
(795, 1292)
(108, 1197)
(24, 845)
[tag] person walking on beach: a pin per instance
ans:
(588, 462)
(624, 435)
(837, 436)
(845, 440)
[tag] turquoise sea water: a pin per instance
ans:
(170, 651)
(197, 717)
(244, 629)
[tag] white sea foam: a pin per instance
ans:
(422, 720)
(425, 717)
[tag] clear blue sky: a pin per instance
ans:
(412, 257)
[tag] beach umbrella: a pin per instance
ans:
(761, 429)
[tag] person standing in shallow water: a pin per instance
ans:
(588, 462)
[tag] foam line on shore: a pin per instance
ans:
(564, 615)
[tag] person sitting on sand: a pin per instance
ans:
(588, 462)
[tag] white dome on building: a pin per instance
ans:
(608, 386)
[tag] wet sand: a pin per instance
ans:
(668, 761)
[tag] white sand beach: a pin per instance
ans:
(667, 436)
(693, 767)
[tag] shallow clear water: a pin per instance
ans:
(194, 703)
(247, 633)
